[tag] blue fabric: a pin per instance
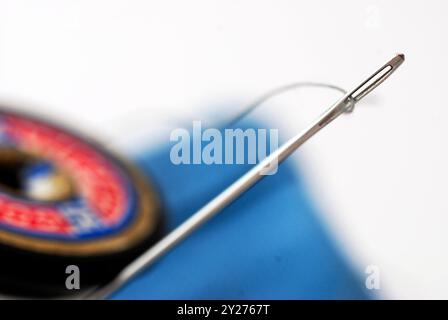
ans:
(269, 244)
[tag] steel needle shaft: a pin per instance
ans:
(346, 103)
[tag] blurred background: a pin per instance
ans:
(127, 72)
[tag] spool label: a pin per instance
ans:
(104, 200)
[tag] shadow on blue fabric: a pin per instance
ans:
(269, 244)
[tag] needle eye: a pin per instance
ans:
(377, 78)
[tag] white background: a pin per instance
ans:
(116, 69)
